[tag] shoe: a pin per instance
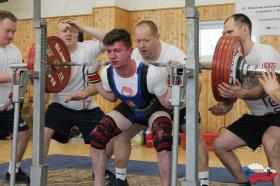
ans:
(21, 177)
(119, 182)
(109, 177)
(245, 184)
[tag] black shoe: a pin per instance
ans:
(21, 177)
(119, 182)
(245, 184)
(109, 177)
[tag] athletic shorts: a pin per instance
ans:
(251, 128)
(128, 113)
(62, 119)
(7, 123)
(182, 118)
(137, 117)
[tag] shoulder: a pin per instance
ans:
(263, 48)
(156, 73)
(136, 55)
(14, 48)
(172, 52)
(89, 43)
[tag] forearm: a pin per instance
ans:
(165, 99)
(254, 93)
(5, 78)
(275, 95)
(97, 33)
(90, 90)
(107, 95)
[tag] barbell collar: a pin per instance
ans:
(253, 70)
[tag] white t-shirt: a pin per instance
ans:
(264, 56)
(168, 52)
(8, 55)
(129, 86)
(86, 52)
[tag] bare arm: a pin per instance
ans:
(90, 90)
(271, 85)
(107, 95)
(97, 33)
(237, 92)
(5, 78)
(165, 99)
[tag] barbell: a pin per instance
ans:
(228, 64)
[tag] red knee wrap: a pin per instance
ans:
(161, 133)
(103, 132)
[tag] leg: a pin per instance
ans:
(122, 145)
(161, 127)
(22, 143)
(48, 133)
(99, 159)
(203, 159)
(110, 126)
(223, 146)
(271, 143)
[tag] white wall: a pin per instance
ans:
(23, 9)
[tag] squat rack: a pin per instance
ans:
(39, 170)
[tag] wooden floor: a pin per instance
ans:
(76, 147)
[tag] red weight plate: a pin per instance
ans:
(215, 74)
(31, 58)
(57, 52)
(223, 57)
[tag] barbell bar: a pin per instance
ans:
(228, 64)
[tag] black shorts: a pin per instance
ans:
(7, 123)
(182, 119)
(62, 119)
(251, 128)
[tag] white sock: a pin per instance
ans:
(204, 178)
(10, 166)
(121, 173)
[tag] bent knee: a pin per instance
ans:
(24, 134)
(271, 145)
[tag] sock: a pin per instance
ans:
(204, 178)
(10, 166)
(121, 173)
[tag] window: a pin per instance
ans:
(209, 34)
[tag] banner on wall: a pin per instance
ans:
(265, 15)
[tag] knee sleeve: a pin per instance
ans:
(103, 132)
(161, 134)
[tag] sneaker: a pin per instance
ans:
(109, 177)
(119, 182)
(21, 177)
(245, 184)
